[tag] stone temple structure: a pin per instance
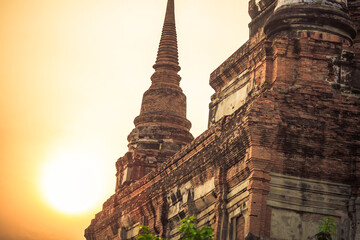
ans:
(283, 145)
(161, 129)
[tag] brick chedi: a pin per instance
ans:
(328, 16)
(282, 149)
(161, 129)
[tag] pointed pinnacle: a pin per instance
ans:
(167, 55)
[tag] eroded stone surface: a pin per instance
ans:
(327, 16)
(281, 151)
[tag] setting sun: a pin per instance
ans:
(72, 182)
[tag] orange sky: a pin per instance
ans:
(72, 77)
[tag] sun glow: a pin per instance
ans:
(72, 182)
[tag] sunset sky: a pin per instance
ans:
(72, 75)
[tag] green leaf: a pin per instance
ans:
(327, 228)
(146, 234)
(189, 230)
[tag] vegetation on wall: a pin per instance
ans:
(188, 231)
(145, 234)
(327, 229)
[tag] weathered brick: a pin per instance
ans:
(285, 157)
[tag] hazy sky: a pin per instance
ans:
(72, 75)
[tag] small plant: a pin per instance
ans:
(189, 230)
(145, 234)
(265, 86)
(327, 229)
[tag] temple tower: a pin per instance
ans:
(161, 129)
(282, 150)
(328, 16)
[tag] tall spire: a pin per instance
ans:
(164, 97)
(161, 129)
(168, 49)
